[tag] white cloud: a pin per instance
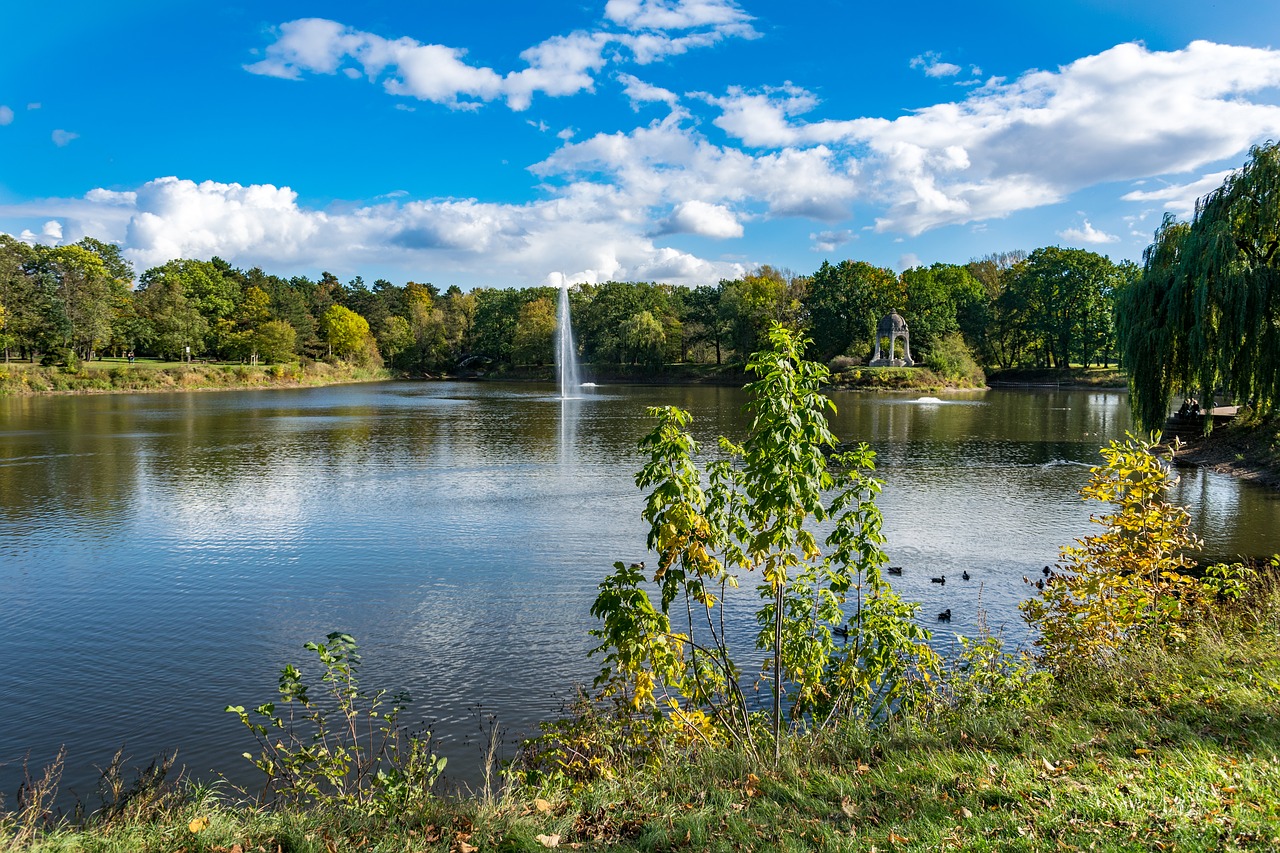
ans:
(640, 92)
(52, 231)
(667, 163)
(829, 241)
(909, 261)
(62, 138)
(34, 105)
(101, 196)
(559, 66)
(677, 15)
(6, 115)
(1180, 198)
(592, 231)
(707, 220)
(1123, 114)
(933, 66)
(1088, 234)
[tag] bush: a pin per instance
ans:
(1131, 582)
(951, 359)
(348, 747)
(841, 363)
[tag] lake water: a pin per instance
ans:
(162, 556)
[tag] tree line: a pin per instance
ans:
(1049, 308)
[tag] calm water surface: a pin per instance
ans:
(162, 556)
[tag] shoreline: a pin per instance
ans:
(1247, 452)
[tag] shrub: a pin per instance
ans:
(348, 747)
(1130, 582)
(841, 363)
(950, 358)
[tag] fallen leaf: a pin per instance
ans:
(1142, 752)
(965, 812)
(548, 840)
(846, 806)
(542, 805)
(895, 838)
(198, 824)
(1048, 765)
(464, 847)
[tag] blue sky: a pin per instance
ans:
(506, 143)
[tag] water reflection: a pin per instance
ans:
(163, 555)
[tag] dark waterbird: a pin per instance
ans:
(942, 579)
(965, 574)
(1046, 571)
(895, 570)
(945, 616)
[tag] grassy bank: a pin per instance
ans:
(1066, 377)
(1172, 748)
(117, 375)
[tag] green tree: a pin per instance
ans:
(644, 337)
(275, 342)
(1211, 290)
(535, 332)
(749, 305)
(170, 323)
(1068, 293)
(845, 302)
(346, 332)
(936, 298)
(395, 336)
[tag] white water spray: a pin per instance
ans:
(566, 354)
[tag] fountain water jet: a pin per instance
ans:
(566, 354)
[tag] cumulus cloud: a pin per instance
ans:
(1087, 234)
(640, 92)
(678, 15)
(829, 241)
(586, 230)
(669, 162)
(1180, 198)
(6, 115)
(699, 217)
(559, 66)
(1120, 115)
(933, 66)
(909, 261)
(62, 138)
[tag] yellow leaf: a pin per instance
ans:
(895, 838)
(965, 812)
(198, 824)
(542, 805)
(1142, 752)
(464, 847)
(548, 840)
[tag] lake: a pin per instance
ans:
(162, 556)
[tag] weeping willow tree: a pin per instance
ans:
(1206, 312)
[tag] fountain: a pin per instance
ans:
(566, 355)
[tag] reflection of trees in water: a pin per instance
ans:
(72, 456)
